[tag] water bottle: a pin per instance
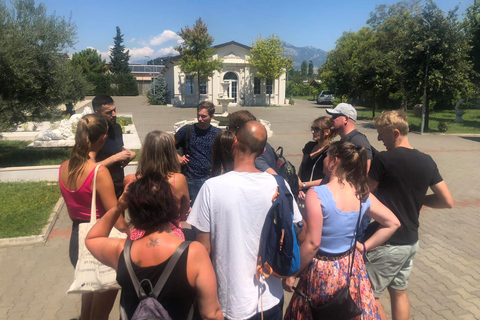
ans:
(298, 227)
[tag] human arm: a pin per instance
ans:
(441, 197)
(181, 192)
(103, 248)
(205, 282)
(106, 192)
(204, 238)
(372, 184)
(388, 224)
(123, 157)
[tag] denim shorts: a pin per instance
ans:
(390, 266)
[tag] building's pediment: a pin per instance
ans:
(231, 55)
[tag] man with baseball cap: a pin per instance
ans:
(343, 121)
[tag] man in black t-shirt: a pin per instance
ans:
(113, 154)
(401, 177)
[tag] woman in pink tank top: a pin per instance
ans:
(158, 155)
(76, 183)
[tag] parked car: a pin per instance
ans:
(326, 96)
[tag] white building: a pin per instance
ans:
(245, 87)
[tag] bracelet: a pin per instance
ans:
(364, 248)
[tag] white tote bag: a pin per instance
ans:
(90, 274)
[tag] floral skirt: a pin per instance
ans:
(323, 278)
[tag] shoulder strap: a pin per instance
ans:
(169, 268)
(165, 274)
(126, 256)
(355, 242)
(93, 209)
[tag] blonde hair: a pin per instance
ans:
(395, 119)
(158, 155)
(89, 129)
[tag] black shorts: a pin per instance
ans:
(73, 248)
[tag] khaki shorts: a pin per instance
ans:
(390, 266)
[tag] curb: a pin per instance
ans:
(43, 237)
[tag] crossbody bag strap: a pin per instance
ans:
(93, 209)
(355, 242)
(169, 268)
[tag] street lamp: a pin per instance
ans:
(427, 60)
(153, 73)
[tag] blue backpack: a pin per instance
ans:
(279, 253)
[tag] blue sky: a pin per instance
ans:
(150, 27)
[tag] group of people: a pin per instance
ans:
(222, 185)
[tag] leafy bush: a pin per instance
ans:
(101, 82)
(443, 126)
(291, 101)
(125, 84)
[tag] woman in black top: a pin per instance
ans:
(152, 205)
(310, 172)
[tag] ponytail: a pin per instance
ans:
(89, 129)
(353, 166)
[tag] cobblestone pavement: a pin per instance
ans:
(445, 282)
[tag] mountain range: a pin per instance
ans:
(298, 54)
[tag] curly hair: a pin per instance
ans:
(151, 203)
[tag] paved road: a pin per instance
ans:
(445, 283)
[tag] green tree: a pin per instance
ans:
(35, 76)
(303, 69)
(118, 56)
(196, 52)
(472, 25)
(310, 69)
(89, 61)
(160, 94)
(266, 56)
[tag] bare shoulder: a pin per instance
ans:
(197, 252)
(129, 178)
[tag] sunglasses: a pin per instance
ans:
(315, 129)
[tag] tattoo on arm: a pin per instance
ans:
(153, 242)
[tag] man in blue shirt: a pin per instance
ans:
(197, 161)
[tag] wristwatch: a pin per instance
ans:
(304, 185)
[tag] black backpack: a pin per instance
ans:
(279, 253)
(374, 151)
(149, 308)
(287, 170)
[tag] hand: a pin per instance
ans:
(122, 204)
(124, 155)
(288, 283)
(184, 160)
(301, 195)
(359, 247)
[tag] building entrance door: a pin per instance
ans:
(232, 90)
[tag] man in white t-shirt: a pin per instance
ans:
(229, 214)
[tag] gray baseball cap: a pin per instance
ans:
(344, 109)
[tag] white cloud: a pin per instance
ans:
(137, 53)
(164, 37)
(167, 51)
(105, 54)
(132, 40)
